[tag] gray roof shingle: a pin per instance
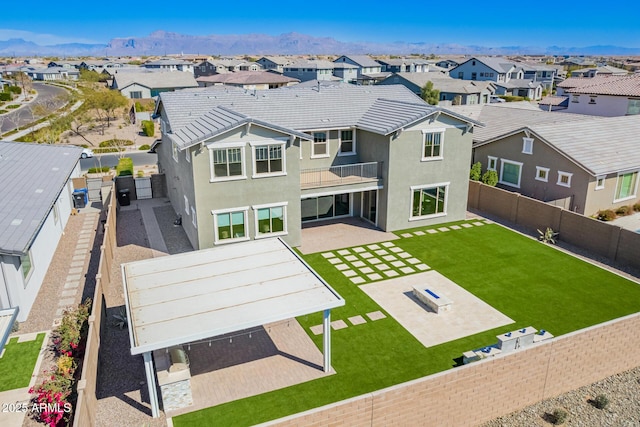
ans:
(32, 176)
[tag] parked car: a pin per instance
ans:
(86, 153)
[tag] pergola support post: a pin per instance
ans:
(326, 339)
(151, 383)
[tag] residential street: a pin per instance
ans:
(23, 115)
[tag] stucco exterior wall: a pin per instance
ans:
(605, 105)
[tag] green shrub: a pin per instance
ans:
(490, 177)
(3, 111)
(5, 96)
(148, 127)
(601, 401)
(623, 210)
(145, 147)
(636, 207)
(476, 172)
(511, 98)
(15, 89)
(96, 170)
(559, 416)
(125, 167)
(12, 106)
(106, 150)
(116, 143)
(606, 215)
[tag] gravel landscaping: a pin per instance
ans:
(622, 391)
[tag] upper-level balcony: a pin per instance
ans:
(341, 175)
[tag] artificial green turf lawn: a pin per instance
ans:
(16, 366)
(532, 283)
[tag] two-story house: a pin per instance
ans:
(169, 64)
(273, 63)
(246, 165)
(602, 95)
(404, 65)
(369, 70)
(148, 85)
(309, 70)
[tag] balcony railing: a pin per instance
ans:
(338, 175)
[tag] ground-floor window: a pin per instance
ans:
(270, 220)
(510, 173)
(626, 186)
(230, 225)
(323, 207)
(428, 200)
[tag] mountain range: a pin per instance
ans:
(163, 43)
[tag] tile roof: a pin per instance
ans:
(604, 85)
(33, 176)
(158, 80)
(499, 64)
(314, 64)
(247, 78)
(362, 60)
(298, 108)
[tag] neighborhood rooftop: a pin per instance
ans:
(32, 176)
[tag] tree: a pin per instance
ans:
(429, 94)
(105, 103)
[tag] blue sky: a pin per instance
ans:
(464, 22)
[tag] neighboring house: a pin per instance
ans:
(345, 72)
(250, 66)
(529, 89)
(560, 158)
(452, 91)
(403, 65)
(310, 70)
(496, 69)
(248, 80)
(36, 196)
(545, 74)
(450, 63)
(273, 63)
(369, 71)
(602, 95)
(554, 103)
(205, 68)
(603, 70)
(53, 74)
(148, 85)
(244, 165)
(168, 64)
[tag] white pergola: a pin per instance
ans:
(196, 295)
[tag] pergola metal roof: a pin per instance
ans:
(196, 295)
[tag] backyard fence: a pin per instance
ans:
(481, 391)
(607, 240)
(85, 411)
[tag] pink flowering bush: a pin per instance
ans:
(66, 337)
(50, 403)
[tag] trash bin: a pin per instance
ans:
(123, 197)
(79, 200)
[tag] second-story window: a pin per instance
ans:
(432, 144)
(226, 163)
(347, 142)
(269, 159)
(320, 145)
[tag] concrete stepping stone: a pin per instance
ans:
(69, 293)
(382, 267)
(317, 329)
(339, 324)
(455, 227)
(488, 221)
(27, 337)
(375, 261)
(334, 260)
(398, 263)
(343, 252)
(443, 229)
(328, 254)
(366, 255)
(349, 273)
(391, 273)
(407, 270)
(358, 264)
(71, 285)
(396, 249)
(357, 320)
(66, 302)
(374, 276)
(351, 258)
(389, 258)
(419, 233)
(404, 255)
(373, 247)
(366, 270)
(478, 223)
(466, 225)
(382, 252)
(406, 235)
(342, 266)
(357, 280)
(422, 267)
(376, 315)
(359, 249)
(413, 261)
(388, 244)
(432, 231)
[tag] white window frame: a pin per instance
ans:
(494, 160)
(527, 145)
(562, 174)
(313, 145)
(422, 187)
(635, 190)
(575, 99)
(222, 146)
(519, 164)
(186, 204)
(26, 277)
(600, 180)
(546, 174)
(193, 217)
(174, 151)
(215, 213)
(353, 151)
(260, 235)
(426, 132)
(187, 155)
(283, 148)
